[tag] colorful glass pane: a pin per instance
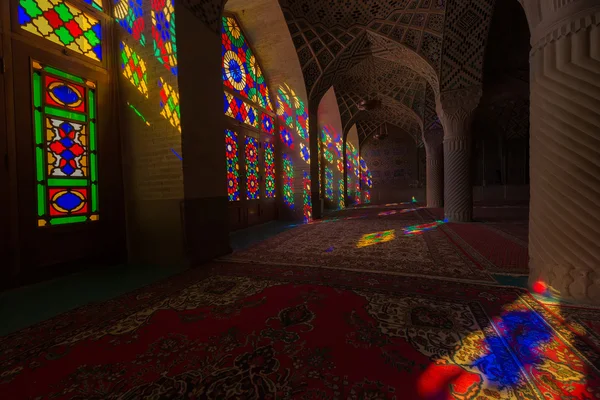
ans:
(240, 110)
(270, 170)
(130, 15)
(241, 71)
(320, 153)
(97, 4)
(64, 24)
(233, 166)
(288, 181)
(134, 69)
(267, 124)
(341, 194)
(307, 200)
(305, 153)
(328, 183)
(169, 103)
(340, 165)
(367, 196)
(284, 107)
(65, 132)
(286, 137)
(252, 186)
(163, 33)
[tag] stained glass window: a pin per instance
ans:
(233, 166)
(252, 187)
(97, 4)
(239, 110)
(286, 136)
(328, 183)
(130, 15)
(367, 196)
(284, 106)
(163, 33)
(64, 24)
(270, 170)
(305, 153)
(288, 181)
(134, 69)
(340, 165)
(307, 210)
(267, 124)
(169, 103)
(241, 71)
(64, 108)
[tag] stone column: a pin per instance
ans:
(564, 218)
(434, 150)
(456, 109)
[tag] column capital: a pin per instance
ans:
(456, 108)
(549, 21)
(433, 140)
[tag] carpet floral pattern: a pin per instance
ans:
(266, 332)
(338, 242)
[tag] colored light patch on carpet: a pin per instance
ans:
(376, 238)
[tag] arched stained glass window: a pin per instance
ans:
(130, 15)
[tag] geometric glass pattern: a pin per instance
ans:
(169, 103)
(130, 15)
(286, 136)
(64, 24)
(288, 181)
(163, 33)
(252, 187)
(367, 196)
(284, 106)
(134, 69)
(97, 4)
(241, 72)
(307, 211)
(340, 165)
(328, 184)
(239, 110)
(267, 124)
(305, 153)
(65, 132)
(233, 166)
(270, 170)
(302, 119)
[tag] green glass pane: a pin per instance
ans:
(62, 74)
(39, 161)
(41, 200)
(93, 167)
(64, 35)
(92, 136)
(37, 90)
(38, 127)
(68, 220)
(94, 197)
(97, 7)
(63, 12)
(57, 112)
(67, 182)
(92, 38)
(31, 8)
(92, 103)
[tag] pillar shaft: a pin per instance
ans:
(564, 219)
(434, 151)
(456, 110)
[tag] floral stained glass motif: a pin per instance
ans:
(307, 200)
(130, 15)
(169, 103)
(286, 136)
(305, 153)
(341, 194)
(65, 132)
(270, 170)
(252, 186)
(267, 124)
(288, 181)
(134, 69)
(284, 106)
(64, 24)
(163, 33)
(97, 4)
(233, 165)
(241, 71)
(239, 110)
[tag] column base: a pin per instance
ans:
(461, 216)
(435, 203)
(575, 284)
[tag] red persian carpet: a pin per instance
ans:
(242, 331)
